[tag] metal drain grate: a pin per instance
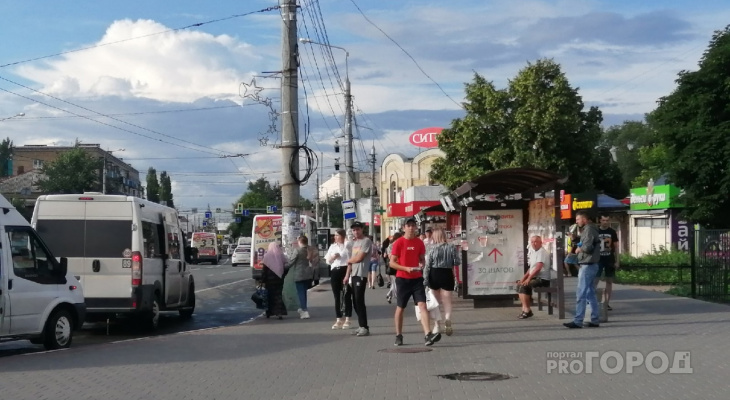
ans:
(475, 376)
(406, 350)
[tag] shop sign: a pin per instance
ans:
(427, 137)
(654, 197)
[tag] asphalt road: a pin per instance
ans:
(223, 298)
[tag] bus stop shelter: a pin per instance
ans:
(498, 212)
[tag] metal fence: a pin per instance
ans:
(711, 265)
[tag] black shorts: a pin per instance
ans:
(531, 285)
(407, 288)
(606, 269)
(441, 278)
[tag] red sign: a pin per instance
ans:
(566, 211)
(376, 220)
(495, 252)
(411, 209)
(426, 137)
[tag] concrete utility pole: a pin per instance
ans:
(349, 178)
(291, 225)
(290, 221)
(316, 203)
(372, 192)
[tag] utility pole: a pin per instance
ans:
(290, 221)
(372, 193)
(103, 176)
(316, 203)
(349, 177)
(291, 224)
(327, 204)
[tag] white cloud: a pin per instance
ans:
(179, 66)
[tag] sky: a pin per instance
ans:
(167, 81)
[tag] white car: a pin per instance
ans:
(242, 255)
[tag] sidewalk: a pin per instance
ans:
(305, 359)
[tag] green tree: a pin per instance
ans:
(23, 209)
(692, 124)
(538, 121)
(153, 186)
(74, 171)
(259, 194)
(165, 191)
(627, 142)
(334, 205)
(6, 153)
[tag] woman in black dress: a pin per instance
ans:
(273, 278)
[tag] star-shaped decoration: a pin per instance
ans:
(251, 91)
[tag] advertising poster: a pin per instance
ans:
(267, 229)
(496, 251)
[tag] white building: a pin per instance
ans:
(335, 185)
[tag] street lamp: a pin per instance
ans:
(348, 119)
(14, 116)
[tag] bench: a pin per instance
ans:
(553, 288)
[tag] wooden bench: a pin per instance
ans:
(553, 288)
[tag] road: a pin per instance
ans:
(223, 298)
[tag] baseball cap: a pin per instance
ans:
(357, 224)
(410, 221)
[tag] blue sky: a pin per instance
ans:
(183, 86)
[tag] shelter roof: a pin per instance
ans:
(509, 181)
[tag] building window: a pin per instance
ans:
(651, 222)
(393, 193)
(37, 164)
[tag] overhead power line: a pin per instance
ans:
(142, 36)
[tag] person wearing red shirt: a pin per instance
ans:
(408, 257)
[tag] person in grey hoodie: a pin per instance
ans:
(589, 252)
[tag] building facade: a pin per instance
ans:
(335, 184)
(121, 178)
(406, 187)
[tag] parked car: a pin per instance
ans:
(40, 300)
(242, 255)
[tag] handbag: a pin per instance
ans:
(431, 301)
(381, 281)
(261, 297)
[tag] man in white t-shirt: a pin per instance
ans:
(537, 276)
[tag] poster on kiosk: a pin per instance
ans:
(496, 251)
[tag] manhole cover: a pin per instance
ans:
(406, 350)
(475, 376)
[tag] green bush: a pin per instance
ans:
(661, 256)
(661, 267)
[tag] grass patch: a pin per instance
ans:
(661, 267)
(681, 291)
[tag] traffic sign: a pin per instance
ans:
(208, 214)
(245, 213)
(270, 209)
(348, 209)
(238, 220)
(205, 223)
(218, 210)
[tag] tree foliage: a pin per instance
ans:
(74, 171)
(259, 194)
(628, 141)
(6, 153)
(333, 206)
(153, 186)
(692, 124)
(165, 191)
(538, 121)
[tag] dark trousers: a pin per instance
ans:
(336, 277)
(359, 286)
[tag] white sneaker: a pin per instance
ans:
(299, 310)
(338, 324)
(304, 315)
(346, 325)
(363, 332)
